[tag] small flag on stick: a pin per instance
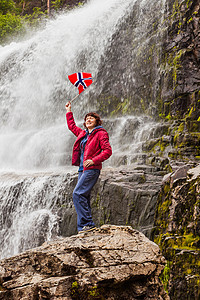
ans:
(81, 80)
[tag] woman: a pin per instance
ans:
(90, 149)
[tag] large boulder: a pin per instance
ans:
(112, 262)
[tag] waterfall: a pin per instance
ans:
(34, 86)
(33, 91)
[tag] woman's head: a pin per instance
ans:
(92, 119)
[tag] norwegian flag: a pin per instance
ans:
(81, 80)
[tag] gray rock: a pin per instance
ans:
(113, 262)
(181, 173)
(194, 173)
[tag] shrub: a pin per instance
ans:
(9, 25)
(7, 6)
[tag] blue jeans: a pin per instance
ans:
(81, 197)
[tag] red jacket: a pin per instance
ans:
(97, 147)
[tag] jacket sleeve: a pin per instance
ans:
(72, 125)
(106, 150)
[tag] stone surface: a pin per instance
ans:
(180, 73)
(194, 173)
(133, 59)
(177, 231)
(127, 195)
(112, 262)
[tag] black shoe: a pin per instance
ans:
(87, 228)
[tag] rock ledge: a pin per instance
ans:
(111, 262)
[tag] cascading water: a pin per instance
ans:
(33, 92)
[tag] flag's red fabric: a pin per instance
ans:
(81, 80)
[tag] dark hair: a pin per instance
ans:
(96, 116)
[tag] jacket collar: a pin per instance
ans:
(97, 127)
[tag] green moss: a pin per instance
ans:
(142, 104)
(188, 3)
(190, 112)
(75, 285)
(94, 293)
(185, 242)
(166, 189)
(122, 107)
(168, 168)
(162, 147)
(165, 276)
(176, 64)
(96, 202)
(189, 241)
(164, 206)
(162, 115)
(162, 213)
(105, 216)
(177, 132)
(168, 117)
(176, 9)
(75, 292)
(181, 127)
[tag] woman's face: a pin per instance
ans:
(90, 122)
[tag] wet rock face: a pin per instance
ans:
(177, 231)
(113, 262)
(128, 75)
(127, 196)
(180, 71)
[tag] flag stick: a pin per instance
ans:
(74, 98)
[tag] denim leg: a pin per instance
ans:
(81, 197)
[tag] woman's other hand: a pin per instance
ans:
(68, 106)
(87, 163)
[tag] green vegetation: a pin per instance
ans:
(17, 16)
(6, 6)
(10, 22)
(13, 23)
(75, 294)
(94, 293)
(122, 107)
(57, 4)
(165, 276)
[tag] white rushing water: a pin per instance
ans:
(33, 135)
(29, 207)
(34, 86)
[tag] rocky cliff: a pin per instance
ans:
(177, 231)
(180, 74)
(112, 262)
(177, 215)
(180, 61)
